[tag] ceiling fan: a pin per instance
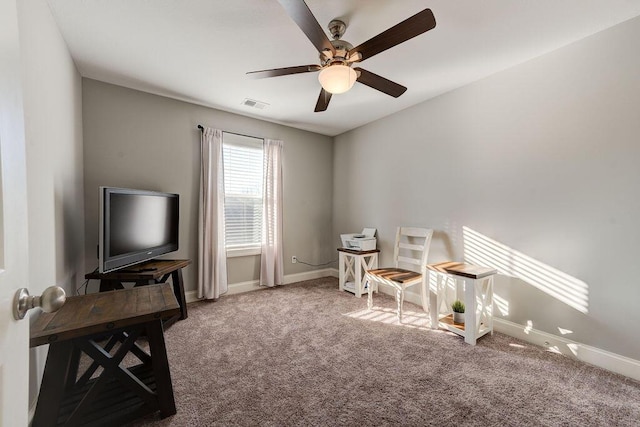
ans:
(337, 56)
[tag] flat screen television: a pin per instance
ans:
(135, 226)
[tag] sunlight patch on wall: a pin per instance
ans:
(529, 327)
(482, 250)
(450, 283)
(502, 304)
(433, 283)
(574, 348)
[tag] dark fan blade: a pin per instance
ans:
(300, 13)
(323, 101)
(380, 83)
(419, 23)
(283, 71)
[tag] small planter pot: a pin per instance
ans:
(458, 318)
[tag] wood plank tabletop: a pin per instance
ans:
(153, 269)
(88, 314)
(356, 252)
(461, 269)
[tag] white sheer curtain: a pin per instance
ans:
(271, 262)
(212, 255)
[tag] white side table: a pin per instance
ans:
(476, 292)
(352, 265)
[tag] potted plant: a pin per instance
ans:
(458, 311)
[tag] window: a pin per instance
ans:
(243, 175)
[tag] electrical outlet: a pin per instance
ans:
(294, 259)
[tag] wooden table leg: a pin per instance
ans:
(342, 275)
(74, 363)
(358, 262)
(54, 380)
(178, 290)
(470, 324)
(164, 388)
(434, 299)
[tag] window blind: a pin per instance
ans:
(243, 175)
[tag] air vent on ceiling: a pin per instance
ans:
(255, 104)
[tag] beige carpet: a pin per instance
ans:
(308, 354)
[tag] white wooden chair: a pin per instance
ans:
(411, 250)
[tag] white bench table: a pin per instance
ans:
(352, 265)
(474, 286)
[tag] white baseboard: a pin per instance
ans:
(254, 285)
(309, 275)
(333, 272)
(594, 356)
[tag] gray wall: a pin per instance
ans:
(539, 163)
(53, 132)
(137, 140)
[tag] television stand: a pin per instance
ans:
(148, 273)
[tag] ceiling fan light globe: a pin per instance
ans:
(337, 78)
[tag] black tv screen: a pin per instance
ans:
(136, 226)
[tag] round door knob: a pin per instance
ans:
(51, 300)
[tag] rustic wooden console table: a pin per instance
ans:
(148, 273)
(92, 325)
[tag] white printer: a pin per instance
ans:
(365, 241)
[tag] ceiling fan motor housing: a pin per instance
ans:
(342, 48)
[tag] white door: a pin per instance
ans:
(14, 345)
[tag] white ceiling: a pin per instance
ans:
(200, 50)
